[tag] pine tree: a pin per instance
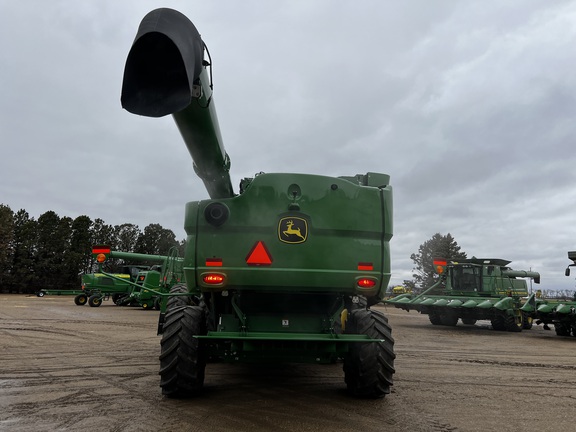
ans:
(438, 246)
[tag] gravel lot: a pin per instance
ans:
(75, 368)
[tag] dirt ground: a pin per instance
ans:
(75, 368)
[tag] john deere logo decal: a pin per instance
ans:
(292, 230)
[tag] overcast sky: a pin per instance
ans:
(470, 106)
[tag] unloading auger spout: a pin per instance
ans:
(166, 73)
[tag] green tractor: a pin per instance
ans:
(559, 312)
(284, 271)
(143, 287)
(474, 289)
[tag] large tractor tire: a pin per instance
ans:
(361, 303)
(174, 302)
(469, 321)
(182, 356)
(80, 299)
(95, 300)
(369, 366)
(178, 301)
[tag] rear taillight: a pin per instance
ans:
(213, 278)
(366, 283)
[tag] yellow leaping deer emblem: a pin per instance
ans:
(290, 230)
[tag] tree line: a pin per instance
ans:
(53, 252)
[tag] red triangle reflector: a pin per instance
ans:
(259, 255)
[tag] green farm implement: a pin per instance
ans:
(97, 287)
(559, 312)
(144, 287)
(284, 271)
(134, 285)
(474, 289)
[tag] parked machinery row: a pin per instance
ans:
(488, 289)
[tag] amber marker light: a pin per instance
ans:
(100, 257)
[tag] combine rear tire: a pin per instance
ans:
(95, 300)
(178, 301)
(369, 366)
(469, 321)
(182, 356)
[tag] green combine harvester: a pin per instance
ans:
(559, 312)
(474, 289)
(284, 271)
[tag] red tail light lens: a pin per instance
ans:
(213, 279)
(366, 283)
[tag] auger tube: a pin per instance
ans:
(137, 256)
(522, 274)
(165, 74)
